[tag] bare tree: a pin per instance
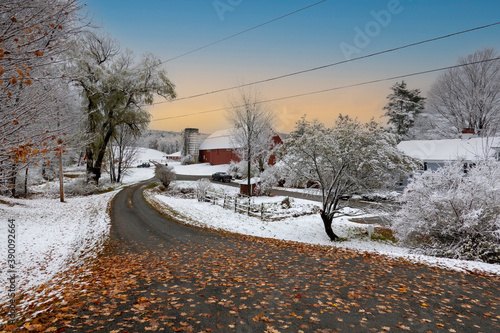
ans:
(252, 121)
(122, 152)
(468, 96)
(34, 35)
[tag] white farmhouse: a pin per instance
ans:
(436, 153)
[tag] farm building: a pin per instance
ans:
(436, 153)
(174, 157)
(218, 148)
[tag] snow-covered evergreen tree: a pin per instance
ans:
(403, 108)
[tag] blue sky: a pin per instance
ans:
(320, 35)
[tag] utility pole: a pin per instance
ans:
(61, 187)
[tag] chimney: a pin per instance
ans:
(467, 133)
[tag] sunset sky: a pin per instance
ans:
(326, 33)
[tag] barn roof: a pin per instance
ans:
(450, 149)
(218, 140)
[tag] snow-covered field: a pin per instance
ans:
(52, 236)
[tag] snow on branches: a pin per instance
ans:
(452, 214)
(341, 160)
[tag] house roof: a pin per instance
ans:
(218, 140)
(450, 149)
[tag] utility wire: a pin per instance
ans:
(339, 88)
(332, 64)
(241, 32)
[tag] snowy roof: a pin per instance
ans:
(218, 140)
(450, 149)
(177, 154)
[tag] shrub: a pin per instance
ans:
(268, 179)
(80, 186)
(448, 213)
(165, 174)
(235, 170)
(186, 160)
(202, 187)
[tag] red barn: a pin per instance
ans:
(218, 149)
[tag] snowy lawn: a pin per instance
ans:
(306, 229)
(51, 237)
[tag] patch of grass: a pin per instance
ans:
(384, 235)
(106, 190)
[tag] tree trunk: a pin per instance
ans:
(26, 181)
(90, 163)
(249, 172)
(327, 221)
(96, 170)
(13, 181)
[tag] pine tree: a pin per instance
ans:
(403, 108)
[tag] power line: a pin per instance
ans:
(332, 64)
(338, 88)
(242, 32)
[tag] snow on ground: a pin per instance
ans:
(51, 236)
(306, 229)
(134, 175)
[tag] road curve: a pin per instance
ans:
(227, 283)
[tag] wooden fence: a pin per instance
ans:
(240, 204)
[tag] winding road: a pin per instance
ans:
(164, 276)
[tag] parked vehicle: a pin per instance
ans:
(144, 165)
(222, 176)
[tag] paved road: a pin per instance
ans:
(164, 276)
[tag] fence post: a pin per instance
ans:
(262, 211)
(248, 208)
(235, 203)
(224, 204)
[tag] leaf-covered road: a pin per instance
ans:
(163, 276)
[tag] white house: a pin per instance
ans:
(436, 153)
